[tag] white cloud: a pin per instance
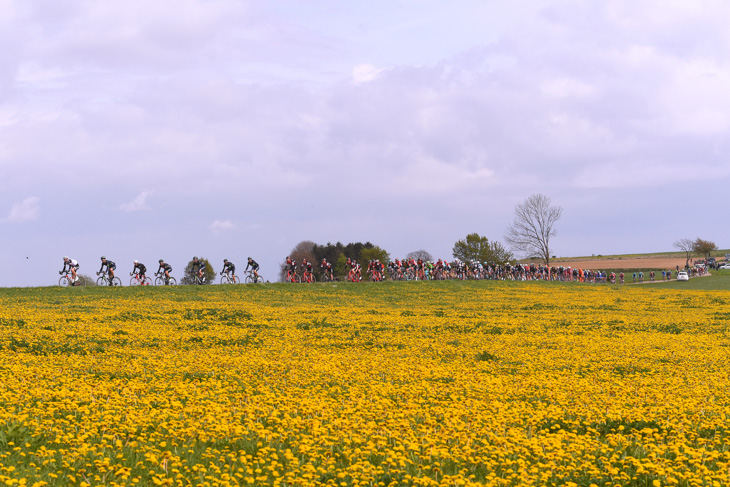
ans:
(219, 226)
(137, 204)
(27, 210)
(363, 73)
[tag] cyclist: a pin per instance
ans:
(199, 264)
(110, 266)
(229, 266)
(73, 266)
(166, 269)
(291, 269)
(140, 270)
(327, 269)
(254, 267)
(307, 275)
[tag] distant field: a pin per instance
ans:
(651, 255)
(657, 260)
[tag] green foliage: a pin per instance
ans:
(704, 247)
(340, 268)
(475, 247)
(375, 253)
(209, 273)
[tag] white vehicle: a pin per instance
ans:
(682, 276)
(725, 266)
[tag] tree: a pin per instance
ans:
(209, 273)
(373, 253)
(687, 246)
(704, 247)
(420, 254)
(477, 248)
(533, 227)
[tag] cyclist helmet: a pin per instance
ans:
(103, 258)
(162, 260)
(136, 261)
(248, 258)
(65, 257)
(225, 260)
(195, 258)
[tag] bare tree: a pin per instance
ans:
(420, 254)
(532, 227)
(687, 246)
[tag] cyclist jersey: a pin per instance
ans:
(229, 265)
(108, 264)
(254, 265)
(140, 267)
(164, 267)
(201, 265)
(293, 266)
(309, 266)
(327, 266)
(70, 263)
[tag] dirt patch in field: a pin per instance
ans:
(637, 263)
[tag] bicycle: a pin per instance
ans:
(292, 276)
(164, 281)
(136, 281)
(352, 276)
(105, 280)
(308, 277)
(327, 277)
(197, 279)
(252, 278)
(228, 279)
(65, 280)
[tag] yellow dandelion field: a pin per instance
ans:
(445, 383)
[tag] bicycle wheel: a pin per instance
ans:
(80, 281)
(134, 282)
(101, 281)
(63, 281)
(236, 280)
(225, 280)
(159, 281)
(117, 282)
(171, 282)
(147, 281)
(296, 279)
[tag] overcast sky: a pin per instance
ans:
(229, 128)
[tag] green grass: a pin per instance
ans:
(718, 281)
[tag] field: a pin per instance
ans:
(657, 260)
(446, 383)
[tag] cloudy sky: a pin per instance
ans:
(229, 128)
